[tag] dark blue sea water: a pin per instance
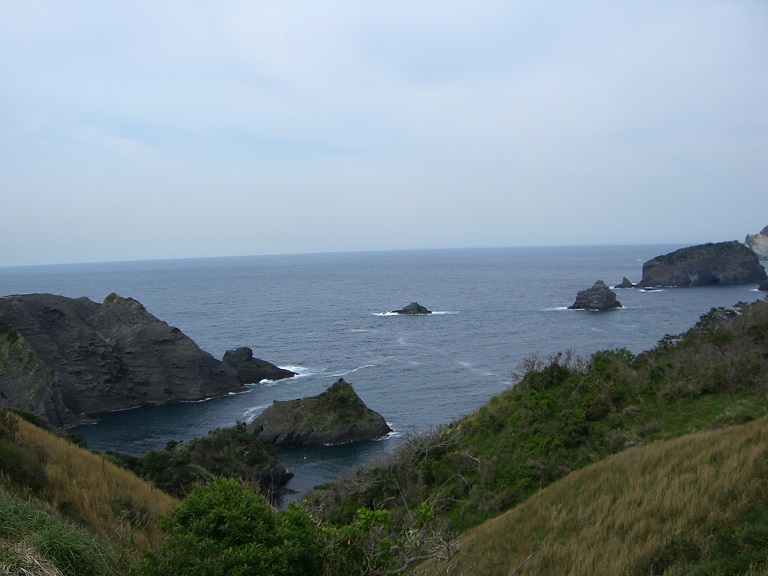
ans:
(323, 315)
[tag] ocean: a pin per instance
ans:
(326, 316)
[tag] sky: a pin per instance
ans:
(134, 130)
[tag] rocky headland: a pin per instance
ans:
(719, 263)
(599, 297)
(69, 359)
(758, 243)
(336, 416)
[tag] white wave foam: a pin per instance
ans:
(254, 411)
(434, 313)
(341, 373)
(392, 434)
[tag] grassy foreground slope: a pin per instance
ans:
(566, 413)
(693, 505)
(66, 510)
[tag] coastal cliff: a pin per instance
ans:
(703, 265)
(68, 359)
(758, 243)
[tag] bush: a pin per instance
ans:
(23, 466)
(223, 528)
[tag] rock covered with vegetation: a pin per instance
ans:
(719, 263)
(599, 297)
(68, 359)
(336, 416)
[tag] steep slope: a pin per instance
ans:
(696, 504)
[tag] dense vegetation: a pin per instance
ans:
(596, 465)
(227, 452)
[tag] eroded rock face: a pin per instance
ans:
(252, 370)
(703, 265)
(758, 243)
(336, 416)
(68, 359)
(599, 297)
(412, 309)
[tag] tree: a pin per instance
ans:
(225, 529)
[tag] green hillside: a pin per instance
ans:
(697, 504)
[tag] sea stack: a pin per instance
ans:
(336, 416)
(413, 309)
(599, 297)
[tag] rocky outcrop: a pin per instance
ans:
(412, 309)
(758, 243)
(704, 265)
(763, 286)
(625, 283)
(69, 359)
(252, 370)
(336, 416)
(599, 297)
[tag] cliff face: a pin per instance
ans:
(758, 243)
(336, 416)
(67, 359)
(703, 265)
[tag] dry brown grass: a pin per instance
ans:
(17, 559)
(108, 500)
(613, 517)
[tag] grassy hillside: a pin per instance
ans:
(64, 506)
(694, 505)
(566, 413)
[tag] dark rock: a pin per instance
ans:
(252, 370)
(763, 286)
(412, 309)
(336, 416)
(599, 297)
(69, 359)
(625, 284)
(703, 265)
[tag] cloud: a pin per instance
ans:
(238, 127)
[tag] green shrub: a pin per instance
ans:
(225, 529)
(23, 466)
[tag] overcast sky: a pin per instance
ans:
(143, 130)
